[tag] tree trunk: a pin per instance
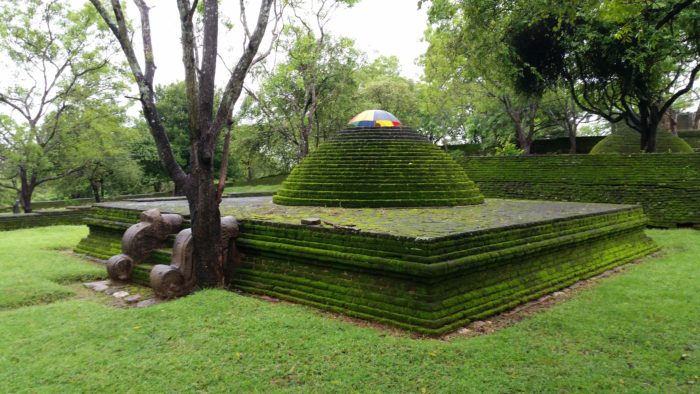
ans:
(178, 190)
(206, 227)
(572, 128)
(304, 145)
(26, 190)
(94, 185)
(648, 140)
(523, 142)
(669, 121)
(674, 123)
(249, 172)
(696, 121)
(25, 197)
(572, 139)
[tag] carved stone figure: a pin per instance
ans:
(179, 277)
(140, 240)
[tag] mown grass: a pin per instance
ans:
(634, 332)
(261, 185)
(31, 268)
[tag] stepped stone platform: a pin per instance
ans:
(429, 270)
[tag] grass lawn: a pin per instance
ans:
(32, 269)
(634, 332)
(261, 185)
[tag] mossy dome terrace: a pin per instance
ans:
(378, 167)
(628, 141)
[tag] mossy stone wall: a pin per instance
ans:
(71, 215)
(667, 186)
(53, 204)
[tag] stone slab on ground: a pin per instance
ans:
(98, 286)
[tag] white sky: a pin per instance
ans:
(379, 27)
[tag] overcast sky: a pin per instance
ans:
(379, 27)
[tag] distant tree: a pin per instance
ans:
(564, 115)
(622, 60)
(57, 58)
(319, 70)
(98, 137)
(468, 55)
(145, 153)
(397, 95)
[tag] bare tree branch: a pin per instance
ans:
(276, 31)
(61, 175)
(208, 69)
(233, 88)
(188, 60)
(118, 26)
(146, 39)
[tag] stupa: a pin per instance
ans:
(382, 225)
(382, 165)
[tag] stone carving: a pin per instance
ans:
(179, 277)
(140, 240)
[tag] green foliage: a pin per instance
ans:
(58, 69)
(507, 148)
(260, 152)
(144, 151)
(624, 61)
(172, 108)
(306, 98)
(469, 66)
(627, 141)
(97, 136)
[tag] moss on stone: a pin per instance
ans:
(378, 167)
(692, 137)
(436, 270)
(667, 186)
(626, 140)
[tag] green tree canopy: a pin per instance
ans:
(59, 60)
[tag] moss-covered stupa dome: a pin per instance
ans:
(378, 166)
(625, 140)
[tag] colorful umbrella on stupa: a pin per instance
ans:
(374, 118)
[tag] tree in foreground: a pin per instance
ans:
(206, 119)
